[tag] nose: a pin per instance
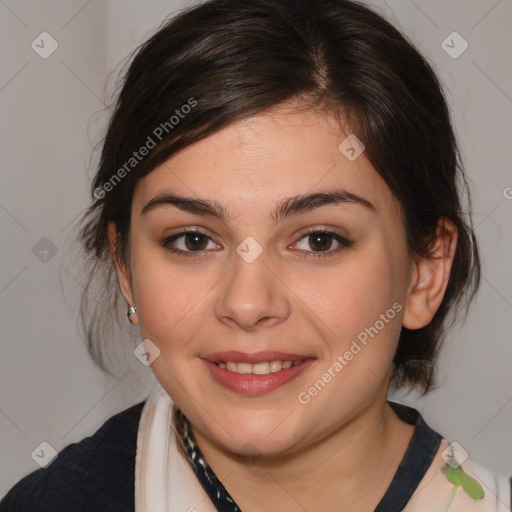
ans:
(252, 295)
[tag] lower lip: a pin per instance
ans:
(251, 384)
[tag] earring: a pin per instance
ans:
(131, 310)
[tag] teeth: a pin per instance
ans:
(259, 368)
(244, 368)
(232, 367)
(275, 366)
(262, 368)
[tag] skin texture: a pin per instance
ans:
(346, 443)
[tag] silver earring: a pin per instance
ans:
(131, 311)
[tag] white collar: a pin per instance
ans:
(164, 480)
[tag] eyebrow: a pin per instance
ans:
(294, 205)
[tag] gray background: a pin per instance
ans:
(51, 112)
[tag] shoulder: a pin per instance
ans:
(467, 487)
(97, 473)
(438, 475)
(456, 482)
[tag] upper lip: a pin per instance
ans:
(256, 357)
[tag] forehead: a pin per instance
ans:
(251, 165)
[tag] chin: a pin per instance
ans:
(257, 448)
(251, 441)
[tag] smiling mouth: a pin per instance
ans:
(263, 368)
(258, 373)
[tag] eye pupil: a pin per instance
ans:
(195, 237)
(318, 238)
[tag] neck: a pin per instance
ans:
(355, 464)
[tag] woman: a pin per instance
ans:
(277, 202)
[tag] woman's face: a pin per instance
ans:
(253, 287)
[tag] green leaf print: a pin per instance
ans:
(459, 478)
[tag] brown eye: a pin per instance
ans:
(190, 241)
(321, 241)
(195, 241)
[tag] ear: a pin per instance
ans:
(123, 271)
(429, 277)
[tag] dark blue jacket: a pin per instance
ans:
(96, 474)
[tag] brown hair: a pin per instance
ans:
(235, 59)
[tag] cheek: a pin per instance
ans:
(169, 299)
(358, 308)
(351, 296)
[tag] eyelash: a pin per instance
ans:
(344, 243)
